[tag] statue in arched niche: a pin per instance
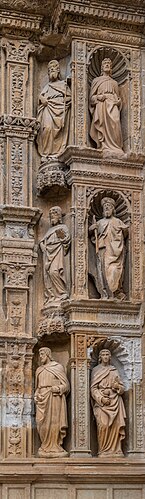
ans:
(108, 237)
(108, 406)
(53, 114)
(105, 106)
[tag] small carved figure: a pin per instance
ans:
(108, 406)
(105, 106)
(108, 235)
(51, 411)
(53, 114)
(55, 246)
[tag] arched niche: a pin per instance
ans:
(121, 360)
(120, 73)
(95, 213)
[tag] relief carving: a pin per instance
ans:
(108, 235)
(108, 406)
(105, 105)
(55, 246)
(50, 398)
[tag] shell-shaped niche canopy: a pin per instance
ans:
(120, 64)
(122, 206)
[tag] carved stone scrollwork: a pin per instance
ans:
(50, 174)
(16, 397)
(53, 323)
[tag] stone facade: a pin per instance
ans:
(72, 154)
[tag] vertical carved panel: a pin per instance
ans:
(80, 387)
(16, 398)
(17, 178)
(80, 242)
(136, 248)
(18, 76)
(79, 93)
(135, 110)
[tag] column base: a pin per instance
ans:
(80, 453)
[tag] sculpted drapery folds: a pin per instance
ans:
(105, 106)
(108, 406)
(108, 235)
(54, 114)
(55, 246)
(51, 410)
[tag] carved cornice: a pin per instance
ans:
(22, 214)
(12, 20)
(92, 11)
(86, 165)
(18, 123)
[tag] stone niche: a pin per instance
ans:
(98, 243)
(121, 73)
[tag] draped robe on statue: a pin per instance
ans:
(54, 249)
(51, 410)
(106, 127)
(110, 419)
(110, 262)
(54, 118)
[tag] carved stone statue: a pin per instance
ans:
(105, 106)
(108, 236)
(55, 246)
(53, 113)
(51, 410)
(108, 406)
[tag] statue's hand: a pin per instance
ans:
(43, 101)
(37, 397)
(101, 98)
(93, 227)
(94, 100)
(115, 385)
(55, 390)
(60, 233)
(105, 401)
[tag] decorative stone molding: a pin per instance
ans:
(49, 175)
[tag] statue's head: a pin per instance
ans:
(104, 356)
(108, 205)
(106, 66)
(53, 70)
(44, 355)
(55, 215)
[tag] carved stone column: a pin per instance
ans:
(79, 242)
(18, 251)
(80, 412)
